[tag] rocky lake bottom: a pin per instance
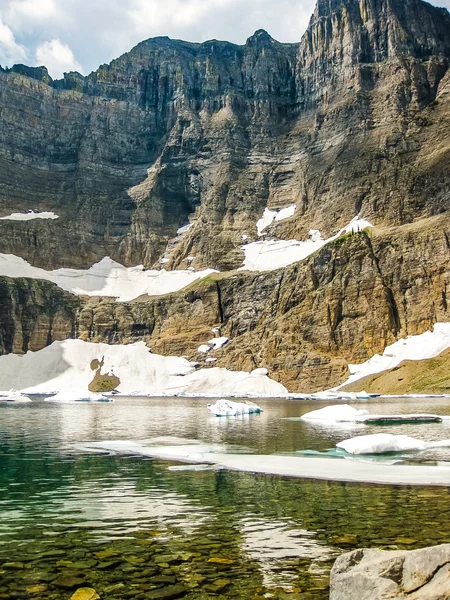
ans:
(131, 527)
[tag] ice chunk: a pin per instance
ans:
(380, 443)
(342, 413)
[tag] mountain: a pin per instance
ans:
(354, 119)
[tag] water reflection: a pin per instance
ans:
(273, 533)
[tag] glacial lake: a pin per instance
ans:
(132, 527)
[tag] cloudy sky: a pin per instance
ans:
(67, 35)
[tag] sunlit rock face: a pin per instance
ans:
(345, 121)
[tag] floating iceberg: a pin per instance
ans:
(226, 408)
(341, 413)
(382, 443)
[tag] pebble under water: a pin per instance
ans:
(131, 527)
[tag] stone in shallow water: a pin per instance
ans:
(171, 591)
(85, 594)
(39, 588)
(221, 561)
(13, 565)
(69, 582)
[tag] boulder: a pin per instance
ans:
(381, 575)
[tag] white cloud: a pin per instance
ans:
(10, 51)
(96, 31)
(57, 57)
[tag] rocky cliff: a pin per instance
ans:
(343, 122)
(353, 119)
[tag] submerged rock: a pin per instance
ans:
(380, 575)
(85, 594)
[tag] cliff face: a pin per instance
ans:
(216, 132)
(355, 118)
(304, 323)
(33, 314)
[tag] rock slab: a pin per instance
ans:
(380, 575)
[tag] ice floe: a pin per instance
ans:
(344, 413)
(415, 347)
(288, 466)
(29, 216)
(275, 254)
(382, 443)
(76, 395)
(65, 367)
(14, 396)
(105, 278)
(226, 408)
(270, 216)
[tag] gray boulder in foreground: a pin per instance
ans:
(381, 575)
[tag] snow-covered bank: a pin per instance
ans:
(65, 367)
(105, 278)
(415, 347)
(29, 216)
(275, 254)
(288, 466)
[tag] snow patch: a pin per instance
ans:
(276, 254)
(65, 367)
(29, 216)
(218, 343)
(204, 348)
(269, 216)
(105, 278)
(416, 347)
(184, 229)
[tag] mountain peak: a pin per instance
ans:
(381, 29)
(260, 37)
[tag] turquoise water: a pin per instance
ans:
(134, 528)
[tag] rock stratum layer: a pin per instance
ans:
(353, 119)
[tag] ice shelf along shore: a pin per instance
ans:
(275, 254)
(288, 466)
(105, 278)
(30, 216)
(415, 347)
(66, 367)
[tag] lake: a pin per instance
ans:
(132, 527)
